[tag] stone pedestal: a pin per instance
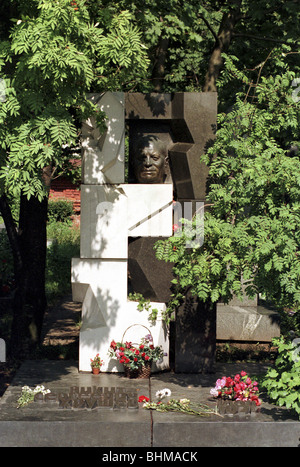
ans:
(247, 323)
(148, 276)
(195, 337)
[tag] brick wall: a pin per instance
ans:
(62, 188)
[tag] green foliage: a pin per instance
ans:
(251, 223)
(60, 210)
(144, 304)
(55, 54)
(283, 381)
(65, 246)
(191, 29)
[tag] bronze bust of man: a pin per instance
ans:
(149, 160)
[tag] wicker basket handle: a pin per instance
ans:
(136, 325)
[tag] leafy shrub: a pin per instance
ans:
(65, 246)
(60, 211)
(283, 382)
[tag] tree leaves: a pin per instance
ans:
(56, 50)
(252, 228)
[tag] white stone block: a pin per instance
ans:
(149, 209)
(97, 339)
(108, 281)
(111, 213)
(103, 222)
(103, 154)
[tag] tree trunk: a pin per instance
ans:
(222, 44)
(30, 298)
(158, 72)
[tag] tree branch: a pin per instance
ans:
(209, 27)
(260, 38)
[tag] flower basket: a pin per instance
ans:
(143, 371)
(136, 358)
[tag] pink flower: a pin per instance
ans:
(220, 383)
(243, 373)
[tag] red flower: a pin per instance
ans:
(229, 382)
(142, 346)
(147, 357)
(144, 399)
(137, 352)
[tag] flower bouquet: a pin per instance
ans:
(240, 388)
(96, 364)
(137, 360)
(175, 405)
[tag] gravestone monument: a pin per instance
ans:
(186, 124)
(120, 222)
(111, 211)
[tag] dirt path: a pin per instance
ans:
(61, 323)
(60, 327)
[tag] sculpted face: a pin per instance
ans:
(149, 160)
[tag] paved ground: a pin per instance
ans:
(44, 424)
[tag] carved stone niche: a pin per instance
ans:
(186, 122)
(147, 275)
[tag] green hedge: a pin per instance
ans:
(60, 211)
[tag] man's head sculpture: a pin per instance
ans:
(149, 160)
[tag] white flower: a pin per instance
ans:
(163, 393)
(214, 392)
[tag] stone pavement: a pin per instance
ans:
(46, 424)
